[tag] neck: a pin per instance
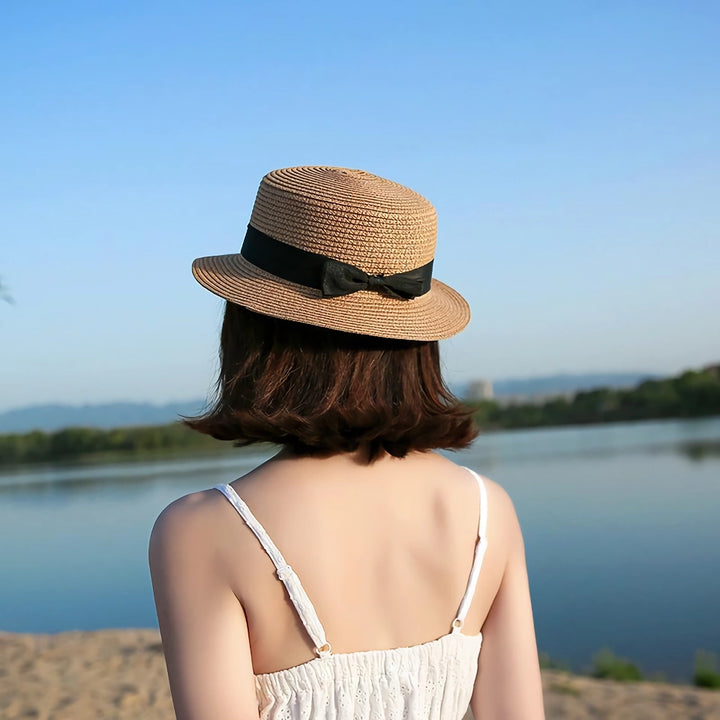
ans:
(356, 457)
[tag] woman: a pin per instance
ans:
(400, 558)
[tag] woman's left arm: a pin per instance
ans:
(202, 624)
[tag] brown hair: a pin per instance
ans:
(325, 391)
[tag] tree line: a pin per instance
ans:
(77, 442)
(692, 394)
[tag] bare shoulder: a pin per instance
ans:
(503, 521)
(503, 526)
(499, 501)
(188, 524)
(500, 506)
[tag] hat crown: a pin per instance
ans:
(349, 215)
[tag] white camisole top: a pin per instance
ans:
(433, 680)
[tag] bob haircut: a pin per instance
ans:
(320, 391)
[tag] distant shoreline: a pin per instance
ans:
(692, 394)
(34, 450)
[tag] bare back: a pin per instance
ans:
(383, 551)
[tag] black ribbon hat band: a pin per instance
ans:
(332, 277)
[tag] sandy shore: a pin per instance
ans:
(120, 675)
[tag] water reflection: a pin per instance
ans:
(72, 478)
(708, 450)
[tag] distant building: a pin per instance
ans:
(714, 370)
(480, 390)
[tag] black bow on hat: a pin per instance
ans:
(339, 278)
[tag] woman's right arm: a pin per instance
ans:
(508, 684)
(202, 624)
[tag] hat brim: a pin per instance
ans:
(439, 313)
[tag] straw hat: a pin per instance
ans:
(341, 249)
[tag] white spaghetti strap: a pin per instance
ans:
(298, 596)
(480, 548)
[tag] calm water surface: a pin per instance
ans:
(621, 525)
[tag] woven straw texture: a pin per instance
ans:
(355, 217)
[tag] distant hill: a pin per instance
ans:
(107, 415)
(126, 414)
(567, 383)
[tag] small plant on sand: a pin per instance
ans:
(610, 667)
(564, 689)
(706, 673)
(548, 663)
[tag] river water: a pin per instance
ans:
(621, 525)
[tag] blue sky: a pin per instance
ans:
(570, 148)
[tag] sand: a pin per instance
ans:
(120, 674)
